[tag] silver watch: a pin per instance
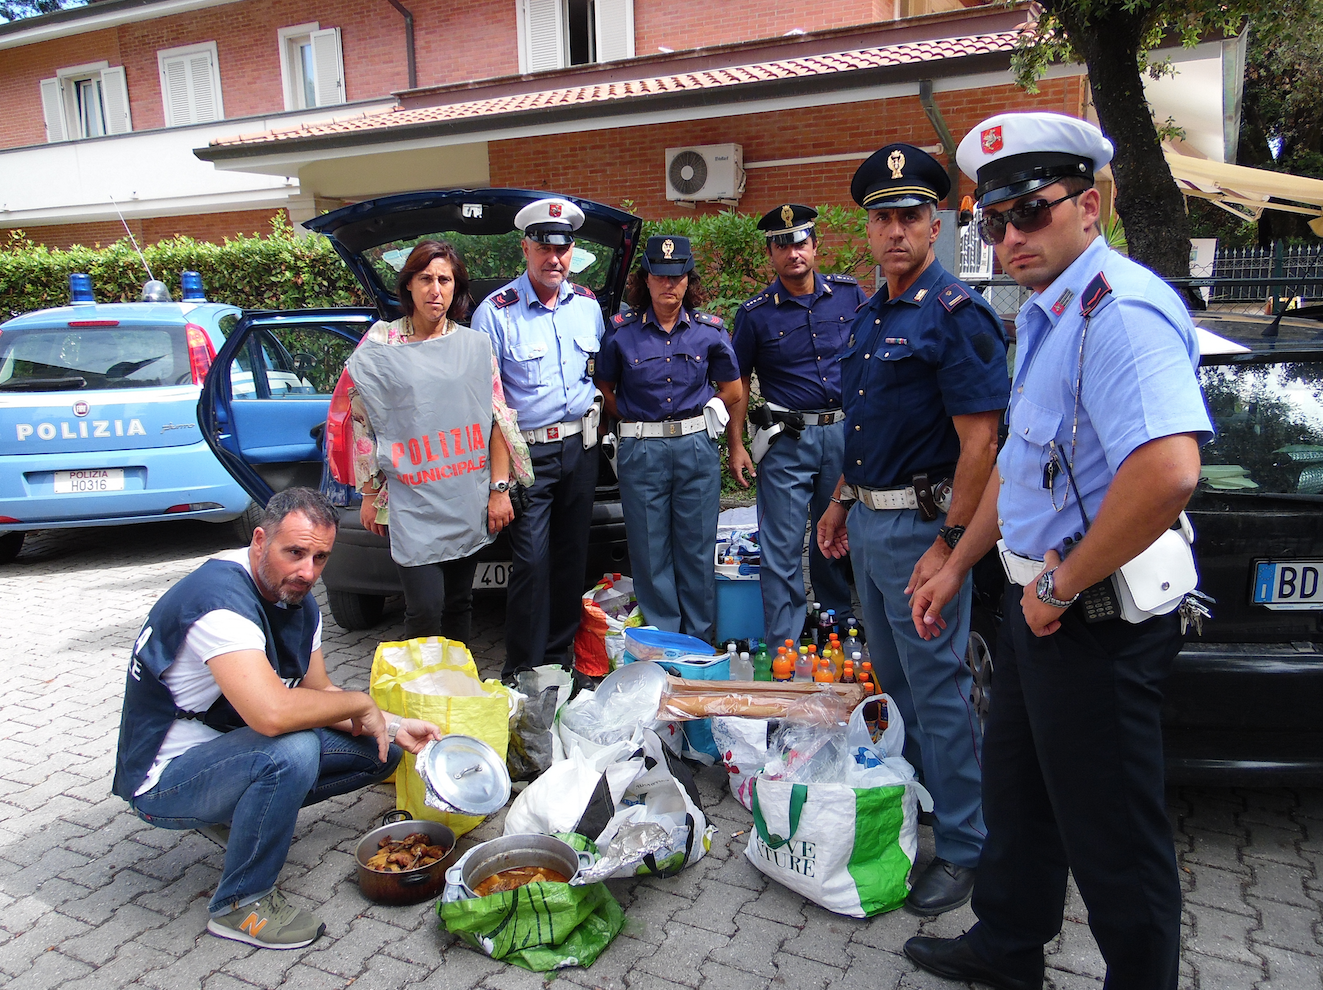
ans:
(393, 726)
(498, 486)
(1046, 591)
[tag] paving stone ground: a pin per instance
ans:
(91, 897)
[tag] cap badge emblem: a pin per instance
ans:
(668, 248)
(991, 139)
(553, 209)
(787, 215)
(896, 162)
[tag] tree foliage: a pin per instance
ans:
(13, 10)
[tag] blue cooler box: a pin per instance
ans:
(739, 602)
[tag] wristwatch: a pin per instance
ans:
(1045, 590)
(498, 486)
(951, 535)
(393, 726)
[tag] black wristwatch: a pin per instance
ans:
(1046, 591)
(498, 486)
(951, 535)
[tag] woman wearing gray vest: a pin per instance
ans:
(434, 443)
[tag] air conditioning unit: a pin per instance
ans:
(705, 173)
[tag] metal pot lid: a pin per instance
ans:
(466, 773)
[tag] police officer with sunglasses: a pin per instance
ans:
(1105, 423)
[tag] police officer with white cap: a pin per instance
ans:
(545, 332)
(791, 333)
(924, 383)
(1105, 424)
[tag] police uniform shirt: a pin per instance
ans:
(660, 375)
(911, 363)
(1138, 384)
(543, 353)
(793, 342)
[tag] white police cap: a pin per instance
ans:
(550, 221)
(1011, 154)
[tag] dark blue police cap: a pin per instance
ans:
(788, 224)
(667, 255)
(899, 175)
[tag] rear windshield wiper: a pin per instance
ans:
(44, 384)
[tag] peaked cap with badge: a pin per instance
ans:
(667, 254)
(899, 175)
(788, 224)
(1011, 154)
(550, 221)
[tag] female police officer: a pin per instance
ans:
(655, 369)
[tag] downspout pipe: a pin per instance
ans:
(944, 135)
(408, 42)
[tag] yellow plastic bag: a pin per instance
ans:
(436, 679)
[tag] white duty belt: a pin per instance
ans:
(825, 417)
(666, 428)
(554, 432)
(880, 499)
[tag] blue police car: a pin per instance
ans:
(98, 415)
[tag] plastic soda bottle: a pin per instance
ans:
(810, 625)
(741, 668)
(762, 664)
(784, 668)
(803, 665)
(823, 673)
(824, 630)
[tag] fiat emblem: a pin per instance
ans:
(81, 408)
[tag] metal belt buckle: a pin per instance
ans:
(553, 432)
(672, 428)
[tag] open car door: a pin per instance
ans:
(264, 402)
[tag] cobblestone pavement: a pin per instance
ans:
(90, 897)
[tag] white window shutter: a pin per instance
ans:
(115, 99)
(204, 100)
(328, 67)
(52, 105)
(174, 91)
(615, 29)
(545, 21)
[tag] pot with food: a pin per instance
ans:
(404, 861)
(513, 861)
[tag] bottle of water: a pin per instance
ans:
(741, 668)
(803, 665)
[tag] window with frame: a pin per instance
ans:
(190, 84)
(557, 34)
(312, 72)
(86, 101)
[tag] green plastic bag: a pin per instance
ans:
(540, 926)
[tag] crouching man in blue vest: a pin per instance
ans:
(230, 720)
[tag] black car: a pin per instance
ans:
(272, 440)
(1243, 700)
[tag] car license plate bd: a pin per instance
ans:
(491, 574)
(90, 480)
(1288, 584)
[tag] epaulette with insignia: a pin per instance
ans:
(953, 296)
(583, 290)
(1094, 294)
(507, 298)
(710, 320)
(843, 279)
(755, 302)
(628, 316)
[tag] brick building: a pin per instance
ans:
(207, 117)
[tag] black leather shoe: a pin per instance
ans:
(942, 887)
(955, 959)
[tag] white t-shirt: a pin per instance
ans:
(189, 678)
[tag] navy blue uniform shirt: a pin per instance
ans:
(793, 341)
(659, 375)
(911, 363)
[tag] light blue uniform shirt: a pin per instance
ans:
(1138, 384)
(543, 353)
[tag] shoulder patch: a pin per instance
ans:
(842, 279)
(710, 320)
(507, 298)
(583, 290)
(755, 302)
(1094, 293)
(953, 296)
(628, 316)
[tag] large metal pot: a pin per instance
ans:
(408, 886)
(513, 851)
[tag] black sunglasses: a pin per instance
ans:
(1027, 217)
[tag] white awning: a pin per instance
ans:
(1247, 192)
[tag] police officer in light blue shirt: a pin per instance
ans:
(792, 334)
(1105, 423)
(545, 332)
(924, 382)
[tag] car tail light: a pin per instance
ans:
(200, 352)
(94, 323)
(9, 519)
(339, 435)
(178, 508)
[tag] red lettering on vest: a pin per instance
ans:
(415, 451)
(476, 441)
(441, 439)
(459, 443)
(427, 445)
(396, 452)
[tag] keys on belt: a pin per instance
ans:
(666, 428)
(554, 432)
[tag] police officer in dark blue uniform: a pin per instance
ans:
(656, 368)
(792, 333)
(924, 382)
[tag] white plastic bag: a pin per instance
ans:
(743, 745)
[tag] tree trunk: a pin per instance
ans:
(1147, 198)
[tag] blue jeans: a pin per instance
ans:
(256, 785)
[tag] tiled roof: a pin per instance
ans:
(709, 79)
